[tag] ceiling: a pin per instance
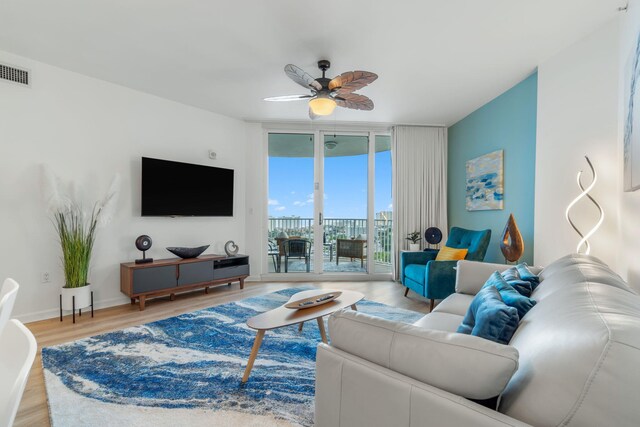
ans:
(437, 60)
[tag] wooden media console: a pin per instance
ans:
(171, 276)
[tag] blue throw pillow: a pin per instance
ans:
(509, 295)
(513, 278)
(490, 318)
(526, 274)
(511, 274)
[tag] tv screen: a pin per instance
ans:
(183, 189)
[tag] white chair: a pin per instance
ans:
(17, 351)
(7, 299)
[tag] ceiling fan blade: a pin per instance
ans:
(286, 98)
(352, 81)
(354, 101)
(312, 116)
(301, 77)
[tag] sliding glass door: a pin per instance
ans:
(329, 203)
(291, 211)
(344, 202)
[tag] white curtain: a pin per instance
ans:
(419, 184)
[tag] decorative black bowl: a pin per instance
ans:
(188, 252)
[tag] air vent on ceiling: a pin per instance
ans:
(14, 75)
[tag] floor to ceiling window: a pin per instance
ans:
(329, 203)
(345, 202)
(290, 205)
(383, 221)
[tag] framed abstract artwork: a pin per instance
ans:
(632, 122)
(485, 182)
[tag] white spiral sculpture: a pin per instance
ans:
(584, 239)
(231, 248)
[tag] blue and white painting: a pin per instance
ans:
(485, 187)
(186, 370)
(632, 122)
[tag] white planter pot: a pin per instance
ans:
(414, 247)
(82, 297)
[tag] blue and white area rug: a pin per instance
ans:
(186, 370)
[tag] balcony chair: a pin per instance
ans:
(420, 272)
(280, 242)
(351, 248)
(297, 248)
(274, 254)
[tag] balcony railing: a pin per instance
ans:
(338, 228)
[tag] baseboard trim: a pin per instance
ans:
(312, 277)
(55, 312)
(273, 277)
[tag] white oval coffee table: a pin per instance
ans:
(282, 316)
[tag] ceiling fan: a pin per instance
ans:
(326, 93)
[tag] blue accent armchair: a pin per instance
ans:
(420, 272)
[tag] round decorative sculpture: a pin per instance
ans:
(433, 235)
(512, 244)
(584, 239)
(188, 252)
(143, 243)
(231, 248)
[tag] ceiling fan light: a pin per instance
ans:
(322, 106)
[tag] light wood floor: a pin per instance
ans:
(33, 408)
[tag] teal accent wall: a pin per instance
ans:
(507, 123)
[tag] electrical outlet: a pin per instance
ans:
(46, 277)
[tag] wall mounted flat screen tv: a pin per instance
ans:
(183, 189)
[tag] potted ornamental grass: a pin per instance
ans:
(414, 237)
(76, 228)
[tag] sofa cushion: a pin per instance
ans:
(579, 348)
(439, 321)
(570, 261)
(471, 275)
(509, 295)
(438, 358)
(489, 317)
(415, 272)
(454, 304)
(574, 269)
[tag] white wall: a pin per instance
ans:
(629, 202)
(257, 188)
(87, 130)
(581, 111)
(578, 116)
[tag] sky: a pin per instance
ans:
(345, 186)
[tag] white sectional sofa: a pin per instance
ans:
(573, 361)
